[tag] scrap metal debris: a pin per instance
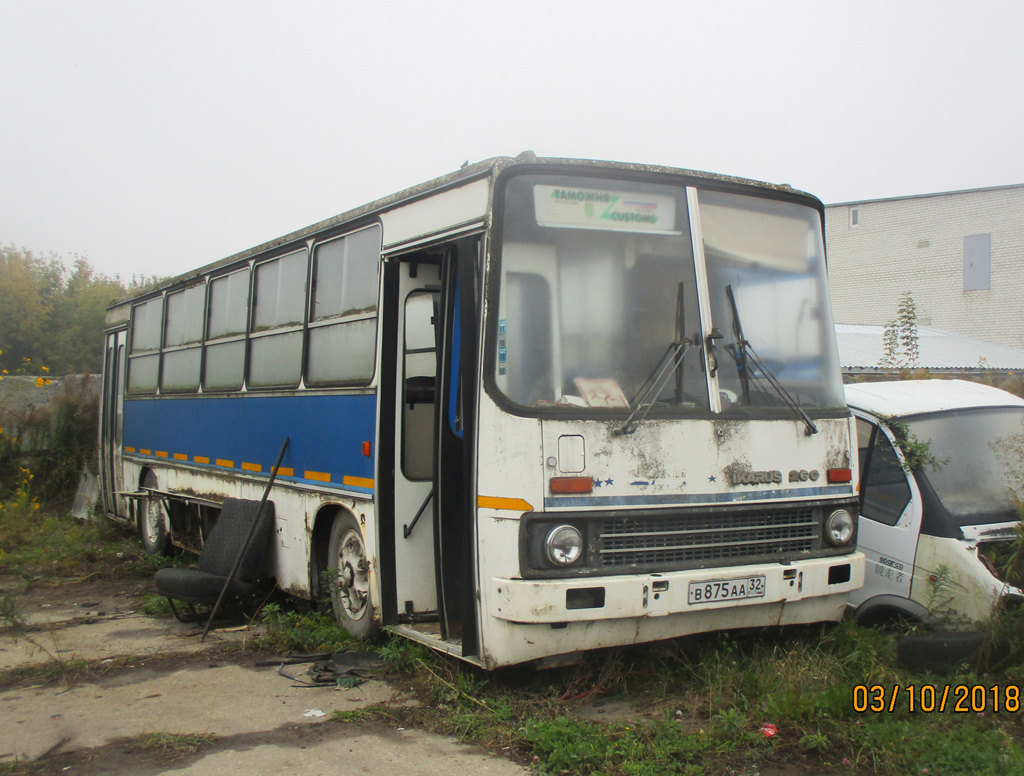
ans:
(346, 670)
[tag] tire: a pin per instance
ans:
(348, 572)
(153, 521)
(938, 651)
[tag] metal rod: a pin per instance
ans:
(407, 529)
(245, 545)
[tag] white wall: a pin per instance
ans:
(916, 244)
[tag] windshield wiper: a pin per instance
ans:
(746, 351)
(669, 364)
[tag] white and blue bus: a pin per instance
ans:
(536, 407)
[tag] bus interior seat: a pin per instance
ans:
(226, 542)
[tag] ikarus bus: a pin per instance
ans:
(535, 407)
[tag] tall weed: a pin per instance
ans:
(38, 542)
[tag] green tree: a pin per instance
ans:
(25, 302)
(50, 315)
(76, 325)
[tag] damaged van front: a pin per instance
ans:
(942, 468)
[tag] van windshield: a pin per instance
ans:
(979, 455)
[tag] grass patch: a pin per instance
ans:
(699, 705)
(175, 743)
(43, 543)
(156, 606)
(307, 632)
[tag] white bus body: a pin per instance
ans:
(536, 407)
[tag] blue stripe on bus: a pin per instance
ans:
(327, 433)
(695, 498)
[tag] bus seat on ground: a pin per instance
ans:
(222, 547)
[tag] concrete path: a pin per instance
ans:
(154, 676)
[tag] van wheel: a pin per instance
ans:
(349, 575)
(153, 521)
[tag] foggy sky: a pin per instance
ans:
(154, 137)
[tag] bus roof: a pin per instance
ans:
(461, 176)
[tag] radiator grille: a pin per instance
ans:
(667, 540)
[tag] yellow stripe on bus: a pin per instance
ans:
(180, 457)
(494, 502)
(357, 482)
(200, 459)
(129, 449)
(146, 452)
(318, 476)
(225, 463)
(284, 471)
(162, 454)
(252, 467)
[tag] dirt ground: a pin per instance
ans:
(93, 686)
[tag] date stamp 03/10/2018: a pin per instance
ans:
(957, 698)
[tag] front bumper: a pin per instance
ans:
(660, 594)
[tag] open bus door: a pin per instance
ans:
(426, 537)
(112, 425)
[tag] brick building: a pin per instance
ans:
(960, 254)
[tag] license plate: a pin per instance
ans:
(726, 589)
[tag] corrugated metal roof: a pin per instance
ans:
(860, 348)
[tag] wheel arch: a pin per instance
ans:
(319, 541)
(884, 608)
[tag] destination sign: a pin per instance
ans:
(621, 211)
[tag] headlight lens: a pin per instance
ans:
(839, 528)
(564, 545)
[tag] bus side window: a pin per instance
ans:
(884, 489)
(275, 345)
(225, 335)
(343, 310)
(183, 335)
(144, 356)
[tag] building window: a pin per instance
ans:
(977, 262)
(854, 217)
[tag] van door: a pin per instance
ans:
(890, 515)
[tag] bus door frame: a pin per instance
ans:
(453, 506)
(112, 424)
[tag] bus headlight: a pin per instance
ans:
(839, 528)
(564, 545)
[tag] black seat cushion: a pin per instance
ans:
(198, 587)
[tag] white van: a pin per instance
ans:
(949, 512)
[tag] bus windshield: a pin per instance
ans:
(599, 297)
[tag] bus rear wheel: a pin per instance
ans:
(153, 521)
(349, 573)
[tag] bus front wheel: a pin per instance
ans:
(153, 520)
(349, 573)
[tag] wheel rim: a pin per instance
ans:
(352, 580)
(152, 523)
